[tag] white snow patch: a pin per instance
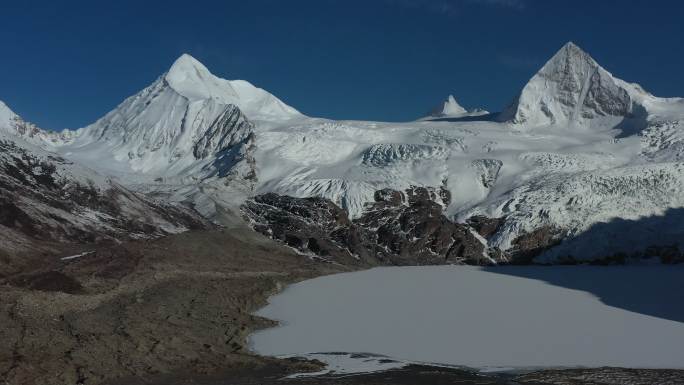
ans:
(77, 256)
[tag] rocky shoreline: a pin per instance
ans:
(425, 374)
(144, 308)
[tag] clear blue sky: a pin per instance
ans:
(66, 63)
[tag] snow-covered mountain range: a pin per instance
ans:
(587, 159)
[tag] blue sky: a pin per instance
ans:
(66, 63)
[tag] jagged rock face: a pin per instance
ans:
(570, 87)
(414, 195)
(228, 129)
(485, 226)
(399, 228)
(414, 231)
(311, 225)
(237, 162)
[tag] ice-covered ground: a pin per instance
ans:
(513, 317)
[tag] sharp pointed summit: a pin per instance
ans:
(185, 62)
(571, 87)
(449, 107)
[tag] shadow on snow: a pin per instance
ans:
(654, 290)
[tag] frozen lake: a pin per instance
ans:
(513, 317)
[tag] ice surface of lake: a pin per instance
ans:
(516, 317)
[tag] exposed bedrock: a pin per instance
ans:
(398, 228)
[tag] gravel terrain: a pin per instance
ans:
(177, 310)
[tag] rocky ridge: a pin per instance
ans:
(399, 228)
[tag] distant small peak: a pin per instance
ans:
(451, 107)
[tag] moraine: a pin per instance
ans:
(486, 318)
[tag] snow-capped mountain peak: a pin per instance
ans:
(192, 79)
(572, 87)
(179, 125)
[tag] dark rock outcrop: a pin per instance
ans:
(485, 226)
(399, 228)
(230, 128)
(310, 225)
(416, 232)
(529, 245)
